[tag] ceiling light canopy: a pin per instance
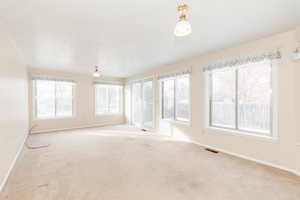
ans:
(97, 72)
(183, 26)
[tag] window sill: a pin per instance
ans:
(52, 118)
(107, 114)
(172, 121)
(240, 134)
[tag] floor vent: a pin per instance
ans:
(211, 150)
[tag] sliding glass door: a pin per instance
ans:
(136, 104)
(142, 104)
(148, 104)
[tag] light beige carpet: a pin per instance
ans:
(99, 164)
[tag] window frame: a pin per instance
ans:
(34, 100)
(133, 122)
(273, 105)
(120, 112)
(142, 81)
(174, 118)
(153, 103)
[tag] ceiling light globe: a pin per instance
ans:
(183, 28)
(96, 74)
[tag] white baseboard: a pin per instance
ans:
(2, 185)
(249, 158)
(77, 127)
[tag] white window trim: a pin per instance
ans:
(174, 120)
(237, 133)
(121, 100)
(274, 99)
(34, 107)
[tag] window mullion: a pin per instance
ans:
(55, 99)
(162, 99)
(175, 84)
(210, 97)
(35, 100)
(73, 99)
(271, 100)
(121, 100)
(142, 103)
(131, 103)
(108, 100)
(236, 98)
(95, 99)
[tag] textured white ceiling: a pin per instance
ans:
(126, 37)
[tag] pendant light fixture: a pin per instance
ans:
(183, 26)
(97, 72)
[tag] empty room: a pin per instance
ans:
(149, 100)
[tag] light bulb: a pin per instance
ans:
(183, 28)
(96, 74)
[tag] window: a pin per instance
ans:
(143, 103)
(168, 95)
(175, 98)
(137, 104)
(148, 113)
(241, 98)
(108, 99)
(223, 98)
(182, 98)
(53, 98)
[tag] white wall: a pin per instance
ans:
(297, 93)
(283, 151)
(13, 104)
(84, 104)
